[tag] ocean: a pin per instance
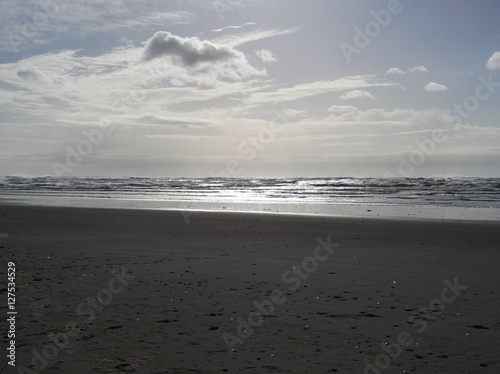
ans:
(294, 195)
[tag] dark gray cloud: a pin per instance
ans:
(191, 51)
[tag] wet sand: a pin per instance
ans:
(141, 291)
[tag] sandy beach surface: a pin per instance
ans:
(142, 291)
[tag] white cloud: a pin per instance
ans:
(266, 56)
(340, 109)
(396, 71)
(414, 69)
(493, 62)
(435, 87)
(418, 69)
(357, 94)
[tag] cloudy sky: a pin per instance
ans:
(268, 88)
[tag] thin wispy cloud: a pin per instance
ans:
(255, 35)
(301, 91)
(153, 119)
(235, 27)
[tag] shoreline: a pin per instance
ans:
(185, 207)
(187, 285)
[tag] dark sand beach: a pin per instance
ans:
(141, 291)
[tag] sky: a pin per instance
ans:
(250, 88)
